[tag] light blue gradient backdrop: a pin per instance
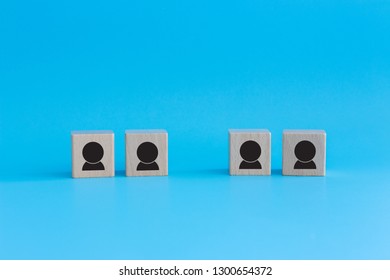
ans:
(195, 68)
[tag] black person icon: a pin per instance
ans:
(305, 152)
(93, 153)
(250, 152)
(147, 153)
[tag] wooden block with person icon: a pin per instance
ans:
(304, 152)
(146, 153)
(92, 154)
(250, 152)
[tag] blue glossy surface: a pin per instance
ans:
(196, 69)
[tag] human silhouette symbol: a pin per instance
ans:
(147, 153)
(93, 153)
(305, 152)
(250, 152)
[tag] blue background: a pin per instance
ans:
(195, 68)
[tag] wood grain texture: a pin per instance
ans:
(236, 138)
(290, 159)
(133, 139)
(79, 140)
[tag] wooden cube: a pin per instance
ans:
(250, 152)
(146, 153)
(92, 154)
(304, 152)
